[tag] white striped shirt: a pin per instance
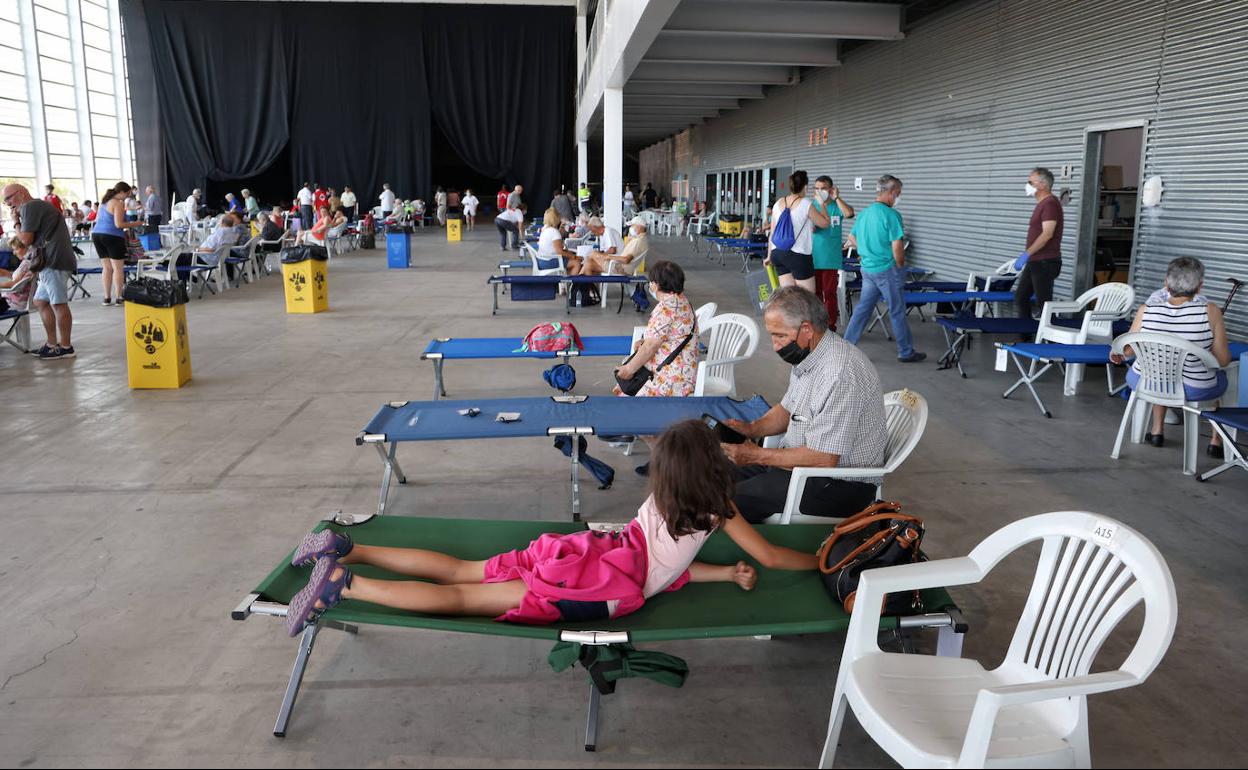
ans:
(1189, 321)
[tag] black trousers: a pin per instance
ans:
(761, 492)
(508, 227)
(1037, 279)
(307, 218)
(154, 221)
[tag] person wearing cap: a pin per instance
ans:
(638, 244)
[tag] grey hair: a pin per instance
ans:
(262, 217)
(1045, 175)
(795, 305)
(887, 183)
(1184, 276)
(595, 222)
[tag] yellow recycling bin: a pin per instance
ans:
(454, 229)
(158, 351)
(306, 277)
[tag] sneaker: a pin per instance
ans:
(118, 302)
(57, 353)
(66, 352)
(106, 302)
(643, 470)
(914, 357)
(43, 351)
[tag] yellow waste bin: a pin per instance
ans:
(454, 229)
(306, 277)
(158, 352)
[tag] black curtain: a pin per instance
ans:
(348, 92)
(500, 89)
(149, 148)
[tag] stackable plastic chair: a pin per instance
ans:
(1160, 358)
(1114, 302)
(704, 313)
(905, 413)
(561, 269)
(733, 339)
(619, 268)
(1031, 710)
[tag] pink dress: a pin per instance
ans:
(596, 575)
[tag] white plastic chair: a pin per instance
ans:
(532, 252)
(704, 314)
(1160, 359)
(1114, 302)
(733, 339)
(905, 414)
(1031, 711)
(619, 268)
(245, 265)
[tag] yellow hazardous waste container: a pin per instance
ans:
(158, 351)
(305, 275)
(454, 229)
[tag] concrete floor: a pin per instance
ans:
(135, 521)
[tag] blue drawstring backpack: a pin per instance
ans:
(561, 377)
(782, 235)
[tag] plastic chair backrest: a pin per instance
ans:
(704, 314)
(1159, 358)
(906, 414)
(1092, 571)
(1114, 301)
(532, 252)
(733, 337)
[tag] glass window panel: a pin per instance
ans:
(51, 70)
(108, 170)
(17, 164)
(15, 112)
(10, 34)
(70, 190)
(103, 125)
(96, 37)
(58, 95)
(97, 59)
(16, 139)
(55, 5)
(58, 119)
(13, 87)
(100, 81)
(66, 167)
(103, 104)
(106, 147)
(50, 21)
(14, 62)
(63, 142)
(51, 45)
(8, 10)
(94, 14)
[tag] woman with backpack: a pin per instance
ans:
(793, 222)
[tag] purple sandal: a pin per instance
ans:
(318, 544)
(302, 611)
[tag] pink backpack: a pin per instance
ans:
(551, 337)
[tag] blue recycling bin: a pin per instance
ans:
(150, 241)
(398, 250)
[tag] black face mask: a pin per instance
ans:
(793, 354)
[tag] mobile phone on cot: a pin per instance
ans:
(726, 434)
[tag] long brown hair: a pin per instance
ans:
(691, 479)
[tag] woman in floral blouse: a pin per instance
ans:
(671, 322)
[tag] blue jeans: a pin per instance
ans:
(887, 286)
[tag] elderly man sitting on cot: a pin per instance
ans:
(832, 416)
(638, 244)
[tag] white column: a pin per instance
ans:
(582, 43)
(34, 97)
(613, 156)
(582, 161)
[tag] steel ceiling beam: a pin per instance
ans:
(734, 74)
(788, 18)
(696, 48)
(666, 88)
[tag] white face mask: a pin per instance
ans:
(653, 293)
(822, 195)
(1030, 190)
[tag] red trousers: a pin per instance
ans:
(826, 282)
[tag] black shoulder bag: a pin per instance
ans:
(633, 385)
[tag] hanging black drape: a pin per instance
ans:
(500, 91)
(349, 91)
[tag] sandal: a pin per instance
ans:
(321, 589)
(324, 543)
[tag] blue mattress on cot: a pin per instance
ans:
(505, 347)
(919, 285)
(556, 279)
(929, 297)
(1233, 417)
(989, 325)
(605, 415)
(1094, 355)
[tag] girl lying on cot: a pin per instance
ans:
(581, 576)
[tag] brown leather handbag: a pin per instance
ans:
(879, 536)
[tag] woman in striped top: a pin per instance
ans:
(1180, 311)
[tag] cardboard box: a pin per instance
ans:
(1111, 177)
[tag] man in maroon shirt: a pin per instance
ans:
(52, 198)
(1042, 259)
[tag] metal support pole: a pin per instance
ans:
(439, 384)
(576, 478)
(591, 720)
(296, 679)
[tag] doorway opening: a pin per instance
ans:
(1109, 215)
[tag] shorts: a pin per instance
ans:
(802, 266)
(109, 246)
(53, 287)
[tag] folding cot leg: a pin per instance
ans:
(391, 469)
(1232, 454)
(494, 309)
(1026, 378)
(296, 679)
(591, 719)
(949, 638)
(439, 384)
(576, 479)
